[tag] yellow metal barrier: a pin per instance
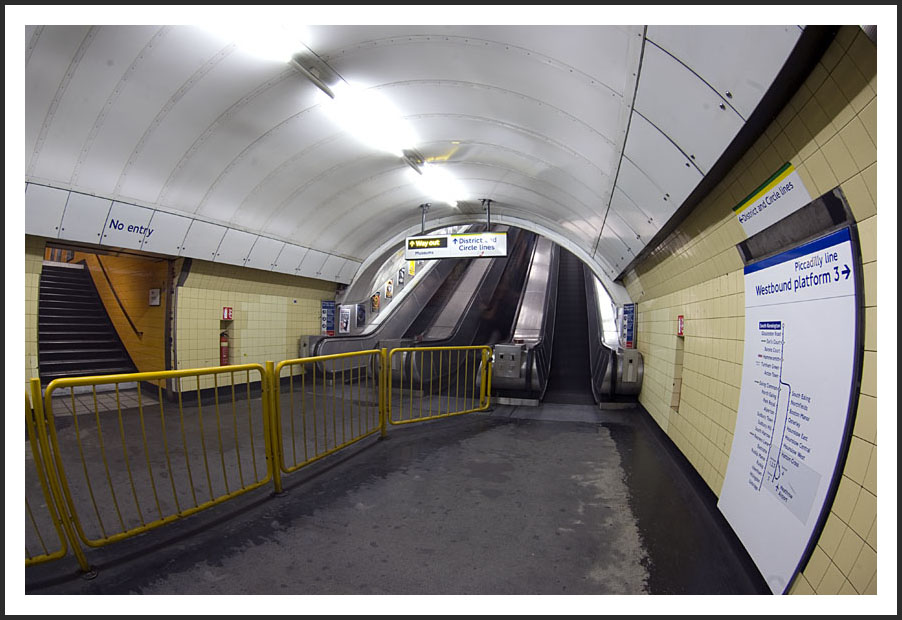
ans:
(426, 383)
(323, 404)
(110, 464)
(43, 514)
(131, 461)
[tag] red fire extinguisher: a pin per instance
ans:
(223, 349)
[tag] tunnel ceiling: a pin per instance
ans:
(592, 135)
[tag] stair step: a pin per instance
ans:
(72, 314)
(49, 376)
(71, 305)
(75, 326)
(63, 295)
(65, 365)
(65, 274)
(75, 320)
(67, 341)
(80, 352)
(74, 276)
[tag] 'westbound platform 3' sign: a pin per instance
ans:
(456, 246)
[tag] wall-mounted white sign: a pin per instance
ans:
(773, 200)
(792, 427)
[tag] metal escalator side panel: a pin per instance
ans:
(601, 357)
(520, 369)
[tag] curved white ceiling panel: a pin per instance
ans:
(633, 216)
(202, 240)
(50, 51)
(85, 218)
(264, 253)
(44, 208)
(565, 47)
(661, 160)
(644, 193)
(684, 108)
(169, 232)
(557, 125)
(494, 68)
(739, 62)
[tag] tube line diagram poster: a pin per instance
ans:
(793, 421)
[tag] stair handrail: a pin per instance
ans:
(119, 301)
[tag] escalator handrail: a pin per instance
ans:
(601, 356)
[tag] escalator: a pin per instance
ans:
(479, 312)
(460, 302)
(409, 315)
(485, 315)
(570, 378)
(557, 353)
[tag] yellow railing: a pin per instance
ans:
(112, 463)
(194, 453)
(437, 382)
(324, 404)
(40, 510)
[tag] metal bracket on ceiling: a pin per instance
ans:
(414, 159)
(316, 70)
(487, 205)
(424, 207)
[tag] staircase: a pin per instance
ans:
(75, 335)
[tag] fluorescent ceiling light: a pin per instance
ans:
(271, 42)
(370, 117)
(438, 184)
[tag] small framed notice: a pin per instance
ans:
(154, 298)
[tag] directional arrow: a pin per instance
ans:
(846, 271)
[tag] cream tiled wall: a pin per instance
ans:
(34, 257)
(270, 312)
(828, 131)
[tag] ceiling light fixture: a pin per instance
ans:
(437, 183)
(370, 117)
(275, 43)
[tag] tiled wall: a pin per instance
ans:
(34, 257)
(828, 132)
(270, 313)
(132, 278)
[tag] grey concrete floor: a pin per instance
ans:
(549, 500)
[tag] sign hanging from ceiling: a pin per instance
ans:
(467, 245)
(773, 200)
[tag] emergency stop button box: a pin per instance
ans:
(508, 360)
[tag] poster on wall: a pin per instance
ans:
(374, 302)
(344, 320)
(327, 314)
(400, 277)
(388, 289)
(628, 326)
(795, 406)
(361, 315)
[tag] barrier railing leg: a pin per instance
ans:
(269, 384)
(488, 381)
(39, 414)
(384, 393)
